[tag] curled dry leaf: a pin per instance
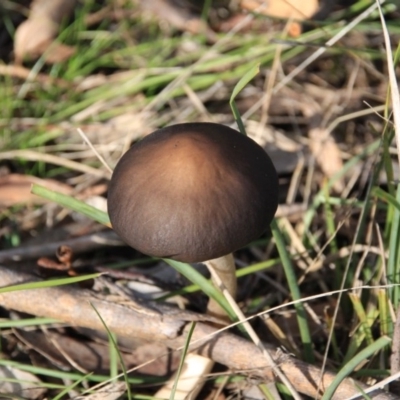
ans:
(36, 35)
(16, 189)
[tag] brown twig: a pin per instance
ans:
(76, 306)
(79, 244)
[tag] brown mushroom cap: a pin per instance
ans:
(192, 192)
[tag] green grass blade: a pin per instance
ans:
(59, 374)
(205, 285)
(182, 361)
(23, 323)
(385, 320)
(72, 204)
(251, 269)
(362, 316)
(353, 363)
(48, 283)
(247, 77)
(385, 196)
(113, 343)
(70, 387)
(295, 292)
(367, 318)
(114, 356)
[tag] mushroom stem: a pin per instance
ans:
(225, 268)
(197, 368)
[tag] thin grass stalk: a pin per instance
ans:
(67, 389)
(52, 373)
(72, 203)
(48, 283)
(113, 343)
(295, 292)
(182, 362)
(206, 286)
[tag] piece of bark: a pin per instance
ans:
(77, 307)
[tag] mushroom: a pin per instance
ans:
(194, 192)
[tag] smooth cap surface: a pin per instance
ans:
(192, 192)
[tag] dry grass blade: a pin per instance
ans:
(98, 155)
(394, 89)
(32, 155)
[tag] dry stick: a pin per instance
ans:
(74, 306)
(80, 244)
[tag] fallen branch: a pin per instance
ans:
(76, 307)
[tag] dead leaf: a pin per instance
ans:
(289, 9)
(16, 189)
(327, 154)
(35, 36)
(283, 8)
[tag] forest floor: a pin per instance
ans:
(324, 284)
